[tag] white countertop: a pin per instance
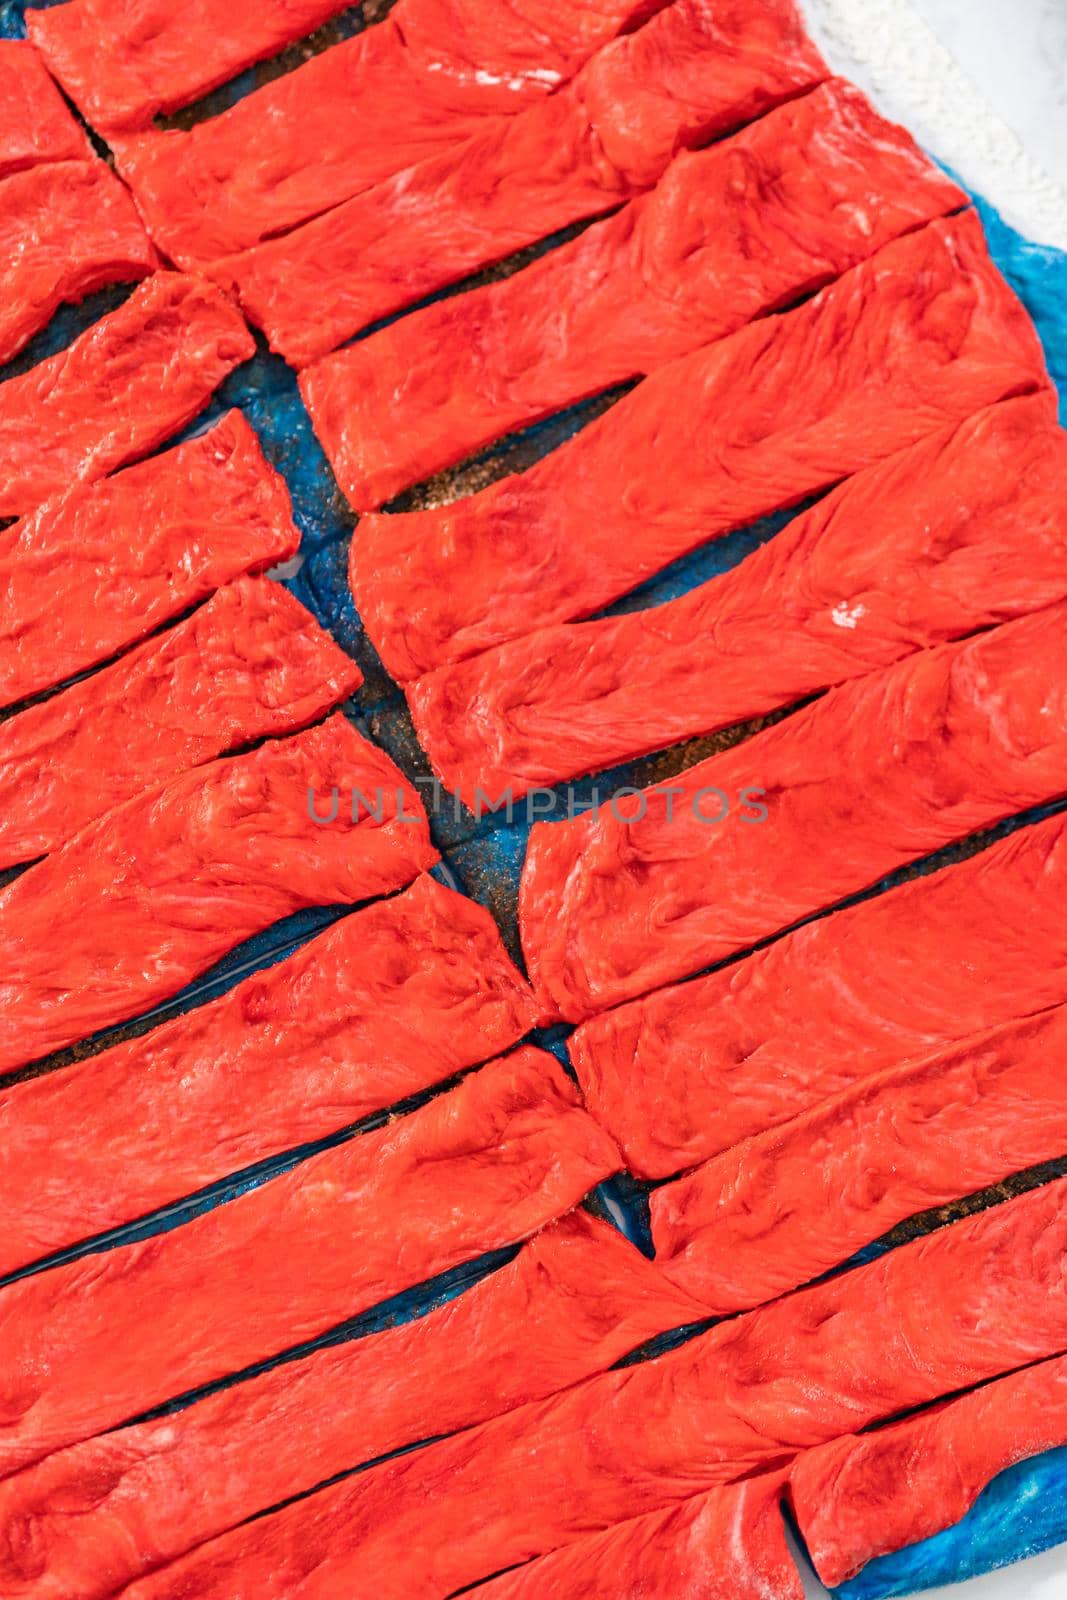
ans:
(1016, 54)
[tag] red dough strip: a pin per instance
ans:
(925, 333)
(251, 663)
(101, 565)
(574, 1301)
(123, 386)
(483, 1166)
(35, 121)
(684, 1074)
(154, 892)
(787, 1205)
(859, 1498)
(66, 228)
(698, 69)
(878, 772)
(388, 1002)
(432, 64)
(124, 61)
(727, 235)
(729, 1544)
(952, 1309)
(848, 587)
(433, 74)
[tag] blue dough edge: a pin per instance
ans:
(1020, 1513)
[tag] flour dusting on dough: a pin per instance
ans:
(847, 616)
